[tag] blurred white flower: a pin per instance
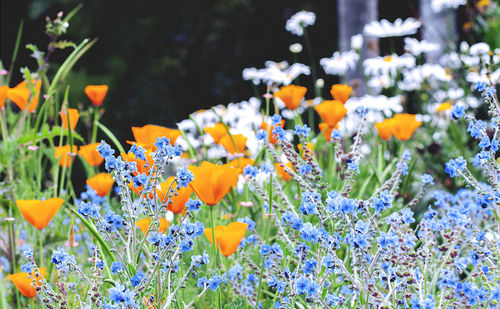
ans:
(320, 83)
(299, 21)
(357, 41)
(413, 78)
(276, 73)
(439, 5)
(340, 63)
(295, 48)
(417, 47)
(385, 29)
(388, 65)
(483, 76)
(479, 49)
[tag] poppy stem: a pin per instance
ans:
(94, 124)
(214, 250)
(40, 244)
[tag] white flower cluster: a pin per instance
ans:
(385, 29)
(279, 73)
(340, 63)
(440, 5)
(299, 21)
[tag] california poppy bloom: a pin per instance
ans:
(270, 135)
(96, 93)
(146, 136)
(384, 129)
(331, 112)
(241, 163)
(39, 213)
(144, 224)
(3, 95)
(23, 282)
(142, 166)
(281, 170)
(212, 182)
(73, 118)
(65, 154)
(239, 140)
(309, 146)
(101, 183)
(178, 200)
(341, 92)
(22, 93)
(327, 130)
(217, 131)
(291, 95)
(403, 126)
(90, 154)
(227, 237)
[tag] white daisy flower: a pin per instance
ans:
(385, 29)
(439, 5)
(388, 65)
(299, 21)
(340, 63)
(479, 49)
(417, 47)
(276, 73)
(357, 41)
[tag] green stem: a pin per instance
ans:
(14, 53)
(266, 237)
(94, 125)
(214, 250)
(40, 243)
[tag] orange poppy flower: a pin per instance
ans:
(291, 95)
(180, 197)
(341, 92)
(3, 95)
(241, 163)
(73, 118)
(309, 146)
(212, 182)
(384, 129)
(101, 183)
(239, 139)
(331, 112)
(142, 167)
(327, 130)
(39, 213)
(144, 224)
(270, 135)
(228, 237)
(21, 94)
(146, 136)
(90, 154)
(96, 93)
(217, 131)
(281, 171)
(23, 282)
(65, 154)
(403, 126)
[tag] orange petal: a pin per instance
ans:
(228, 237)
(65, 154)
(281, 171)
(3, 95)
(23, 282)
(147, 135)
(144, 224)
(21, 94)
(404, 125)
(331, 112)
(238, 139)
(241, 163)
(178, 200)
(384, 129)
(341, 92)
(96, 93)
(73, 118)
(101, 183)
(39, 213)
(90, 154)
(217, 131)
(291, 95)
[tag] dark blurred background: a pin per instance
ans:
(165, 59)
